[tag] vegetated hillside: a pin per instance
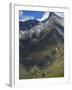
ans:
(42, 49)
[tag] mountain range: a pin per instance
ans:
(41, 42)
(35, 30)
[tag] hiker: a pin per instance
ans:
(43, 75)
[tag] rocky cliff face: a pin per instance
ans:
(54, 24)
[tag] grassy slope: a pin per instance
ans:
(55, 68)
(53, 52)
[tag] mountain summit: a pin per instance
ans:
(33, 29)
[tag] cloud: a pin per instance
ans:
(45, 15)
(24, 18)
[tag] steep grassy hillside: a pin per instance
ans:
(46, 60)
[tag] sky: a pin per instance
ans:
(37, 15)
